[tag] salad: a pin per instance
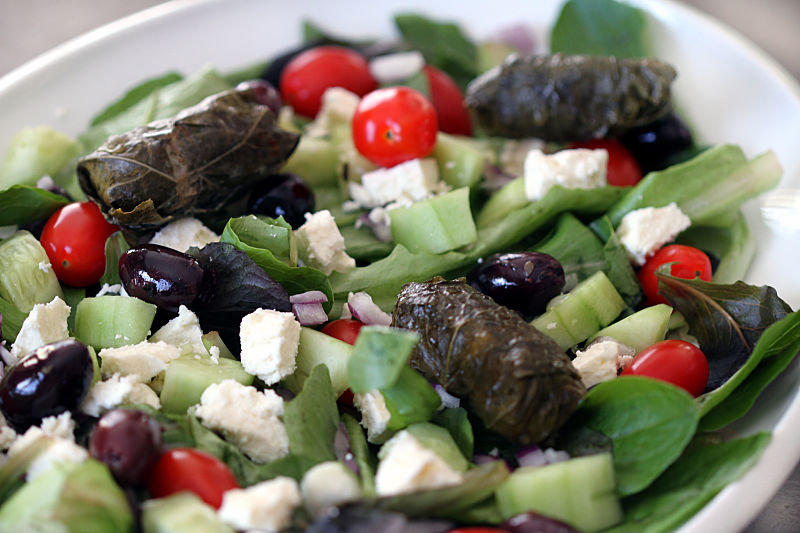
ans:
(459, 402)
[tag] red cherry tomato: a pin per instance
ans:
(687, 263)
(187, 469)
(393, 125)
(448, 101)
(344, 329)
(476, 529)
(623, 170)
(74, 238)
(310, 73)
(678, 362)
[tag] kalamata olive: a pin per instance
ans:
(656, 145)
(129, 443)
(265, 93)
(52, 379)
(523, 281)
(162, 276)
(285, 195)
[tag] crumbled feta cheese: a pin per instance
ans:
(246, 417)
(115, 391)
(580, 168)
(397, 67)
(269, 342)
(321, 245)
(268, 505)
(408, 466)
(62, 426)
(374, 414)
(601, 360)
(405, 183)
(338, 107)
(59, 430)
(182, 331)
(643, 231)
(59, 452)
(145, 360)
(110, 289)
(183, 233)
(328, 484)
(45, 266)
(45, 323)
(214, 353)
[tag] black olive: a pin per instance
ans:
(656, 145)
(51, 380)
(523, 281)
(285, 195)
(163, 276)
(129, 443)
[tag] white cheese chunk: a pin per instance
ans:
(403, 184)
(267, 506)
(328, 484)
(115, 391)
(601, 360)
(246, 417)
(321, 244)
(59, 432)
(145, 360)
(338, 107)
(643, 231)
(183, 233)
(580, 168)
(182, 331)
(374, 414)
(397, 67)
(269, 342)
(408, 466)
(59, 452)
(45, 323)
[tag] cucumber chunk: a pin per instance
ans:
(181, 513)
(318, 348)
(35, 152)
(315, 160)
(640, 329)
(573, 317)
(26, 278)
(435, 225)
(510, 197)
(580, 492)
(188, 376)
(113, 321)
(212, 340)
(460, 163)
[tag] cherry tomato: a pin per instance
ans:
(687, 263)
(476, 529)
(623, 170)
(393, 125)
(678, 362)
(310, 73)
(187, 469)
(448, 101)
(344, 329)
(74, 238)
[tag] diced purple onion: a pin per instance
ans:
(364, 309)
(341, 447)
(535, 456)
(311, 314)
(520, 37)
(448, 400)
(308, 297)
(494, 177)
(380, 229)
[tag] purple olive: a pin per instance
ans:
(162, 276)
(656, 145)
(285, 195)
(129, 443)
(523, 281)
(51, 380)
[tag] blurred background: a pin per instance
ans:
(30, 27)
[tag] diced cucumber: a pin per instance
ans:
(573, 317)
(510, 197)
(580, 492)
(317, 348)
(212, 339)
(113, 321)
(315, 160)
(188, 376)
(439, 440)
(26, 277)
(435, 225)
(350, 160)
(36, 152)
(460, 163)
(181, 513)
(640, 329)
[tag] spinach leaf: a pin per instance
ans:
(22, 204)
(116, 245)
(775, 349)
(135, 95)
(364, 458)
(648, 421)
(600, 27)
(311, 418)
(727, 320)
(456, 421)
(690, 483)
(379, 355)
(410, 399)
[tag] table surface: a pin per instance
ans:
(30, 27)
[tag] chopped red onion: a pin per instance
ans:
(520, 37)
(308, 297)
(494, 177)
(535, 456)
(310, 314)
(448, 400)
(364, 309)
(375, 221)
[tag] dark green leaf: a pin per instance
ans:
(116, 245)
(134, 96)
(600, 27)
(379, 355)
(22, 204)
(311, 418)
(410, 399)
(456, 421)
(365, 459)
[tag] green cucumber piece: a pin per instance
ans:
(435, 225)
(26, 277)
(439, 440)
(580, 492)
(181, 513)
(35, 152)
(188, 376)
(641, 329)
(573, 317)
(510, 197)
(460, 162)
(315, 160)
(318, 348)
(212, 339)
(113, 321)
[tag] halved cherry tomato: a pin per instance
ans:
(623, 170)
(687, 263)
(448, 100)
(394, 125)
(74, 238)
(344, 329)
(678, 362)
(310, 73)
(187, 469)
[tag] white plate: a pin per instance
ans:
(731, 92)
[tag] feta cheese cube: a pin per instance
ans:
(338, 107)
(62, 426)
(321, 245)
(183, 233)
(374, 414)
(408, 466)
(145, 360)
(45, 323)
(643, 231)
(269, 342)
(182, 331)
(268, 505)
(61, 447)
(247, 418)
(396, 68)
(601, 360)
(115, 391)
(328, 484)
(580, 168)
(405, 183)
